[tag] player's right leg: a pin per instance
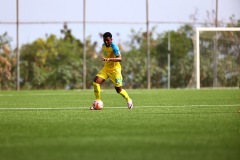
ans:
(96, 86)
(99, 79)
(97, 89)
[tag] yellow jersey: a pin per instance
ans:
(111, 52)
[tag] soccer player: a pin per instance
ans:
(111, 69)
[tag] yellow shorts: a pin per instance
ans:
(114, 75)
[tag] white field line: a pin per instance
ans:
(80, 108)
(66, 108)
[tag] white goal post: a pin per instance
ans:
(206, 29)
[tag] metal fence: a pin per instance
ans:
(85, 23)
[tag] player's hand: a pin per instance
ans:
(105, 59)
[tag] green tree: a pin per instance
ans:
(53, 63)
(181, 56)
(7, 64)
(34, 57)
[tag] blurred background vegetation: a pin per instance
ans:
(56, 63)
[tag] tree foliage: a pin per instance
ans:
(57, 63)
(52, 63)
(7, 62)
(181, 52)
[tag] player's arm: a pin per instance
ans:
(115, 59)
(117, 54)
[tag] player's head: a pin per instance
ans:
(107, 38)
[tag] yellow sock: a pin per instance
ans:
(97, 89)
(125, 95)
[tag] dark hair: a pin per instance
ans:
(107, 34)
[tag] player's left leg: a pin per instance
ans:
(125, 95)
(117, 80)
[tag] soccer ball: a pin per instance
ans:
(97, 104)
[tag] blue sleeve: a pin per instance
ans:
(116, 50)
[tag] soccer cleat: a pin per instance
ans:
(130, 104)
(92, 108)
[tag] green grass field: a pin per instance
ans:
(164, 124)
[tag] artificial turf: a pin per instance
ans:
(164, 124)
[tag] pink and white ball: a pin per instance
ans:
(97, 104)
